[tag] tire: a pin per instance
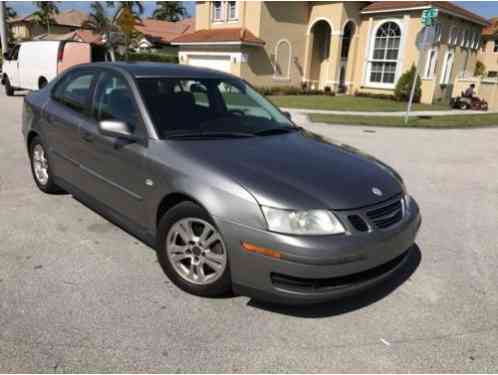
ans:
(9, 90)
(182, 260)
(39, 162)
(463, 106)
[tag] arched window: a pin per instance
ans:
(283, 55)
(385, 54)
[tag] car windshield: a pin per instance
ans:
(188, 107)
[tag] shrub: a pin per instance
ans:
(151, 57)
(480, 69)
(404, 86)
(291, 90)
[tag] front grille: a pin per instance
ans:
(358, 223)
(387, 215)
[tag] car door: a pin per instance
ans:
(11, 67)
(115, 167)
(68, 106)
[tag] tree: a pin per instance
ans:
(480, 69)
(126, 15)
(135, 7)
(44, 15)
(404, 86)
(172, 11)
(10, 12)
(98, 21)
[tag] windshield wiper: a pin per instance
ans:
(198, 135)
(278, 130)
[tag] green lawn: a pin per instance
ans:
(459, 121)
(348, 103)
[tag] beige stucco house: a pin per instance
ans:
(342, 46)
(488, 55)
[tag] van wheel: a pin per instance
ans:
(192, 252)
(40, 167)
(9, 90)
(42, 82)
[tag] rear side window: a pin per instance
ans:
(75, 91)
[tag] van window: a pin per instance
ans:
(114, 101)
(14, 54)
(74, 91)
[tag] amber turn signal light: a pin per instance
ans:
(260, 250)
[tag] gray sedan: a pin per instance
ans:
(230, 192)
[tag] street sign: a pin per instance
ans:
(428, 16)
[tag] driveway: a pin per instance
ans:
(79, 294)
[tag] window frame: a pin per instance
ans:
(287, 76)
(236, 17)
(65, 80)
(431, 63)
(143, 133)
(222, 17)
(397, 61)
(445, 73)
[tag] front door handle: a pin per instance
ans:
(87, 136)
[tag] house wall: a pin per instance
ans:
(488, 57)
(411, 26)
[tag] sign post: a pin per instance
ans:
(425, 39)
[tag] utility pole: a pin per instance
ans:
(3, 27)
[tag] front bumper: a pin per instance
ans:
(317, 268)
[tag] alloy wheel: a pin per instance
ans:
(40, 164)
(196, 251)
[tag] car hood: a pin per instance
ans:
(299, 170)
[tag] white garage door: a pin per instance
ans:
(212, 62)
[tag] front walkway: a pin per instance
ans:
(394, 114)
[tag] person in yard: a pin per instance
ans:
(469, 93)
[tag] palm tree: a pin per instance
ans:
(45, 13)
(100, 23)
(172, 11)
(135, 7)
(97, 19)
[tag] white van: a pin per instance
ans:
(31, 65)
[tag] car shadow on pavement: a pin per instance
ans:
(347, 304)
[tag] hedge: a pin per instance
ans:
(151, 57)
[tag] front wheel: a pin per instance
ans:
(192, 252)
(40, 167)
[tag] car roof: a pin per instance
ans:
(151, 69)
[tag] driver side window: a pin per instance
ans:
(114, 100)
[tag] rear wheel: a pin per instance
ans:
(40, 167)
(9, 90)
(192, 252)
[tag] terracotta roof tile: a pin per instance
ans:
(378, 6)
(164, 31)
(235, 34)
(492, 28)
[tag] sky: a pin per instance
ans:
(486, 9)
(27, 7)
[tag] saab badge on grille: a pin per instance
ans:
(377, 191)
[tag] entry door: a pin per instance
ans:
(212, 62)
(114, 168)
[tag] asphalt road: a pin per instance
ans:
(79, 294)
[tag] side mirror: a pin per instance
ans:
(287, 114)
(117, 129)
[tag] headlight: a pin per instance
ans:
(313, 222)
